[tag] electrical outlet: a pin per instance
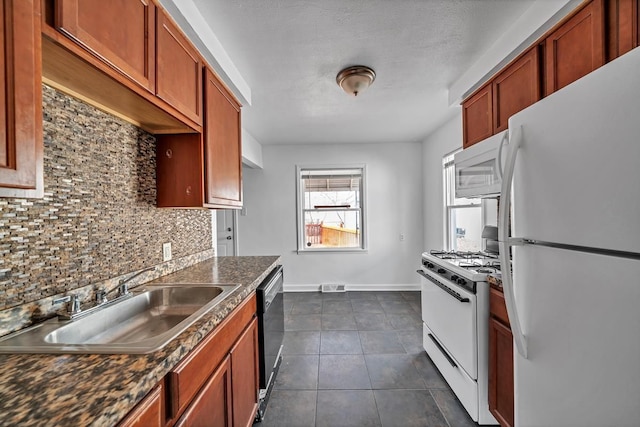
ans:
(401, 237)
(166, 251)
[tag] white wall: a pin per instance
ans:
(444, 140)
(251, 150)
(394, 206)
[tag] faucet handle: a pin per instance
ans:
(75, 305)
(101, 296)
(123, 288)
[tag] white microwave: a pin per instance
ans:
(478, 169)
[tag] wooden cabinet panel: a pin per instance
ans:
(497, 306)
(223, 149)
(575, 48)
(477, 117)
(178, 69)
(149, 412)
(245, 376)
(21, 146)
(622, 27)
(179, 179)
(212, 406)
(501, 372)
(120, 32)
(515, 88)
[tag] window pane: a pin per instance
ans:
(465, 229)
(332, 229)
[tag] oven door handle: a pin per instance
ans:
(446, 355)
(443, 287)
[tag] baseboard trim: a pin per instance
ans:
(355, 287)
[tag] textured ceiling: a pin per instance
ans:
(289, 52)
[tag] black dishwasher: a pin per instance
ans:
(270, 332)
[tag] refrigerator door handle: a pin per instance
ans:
(504, 242)
(503, 141)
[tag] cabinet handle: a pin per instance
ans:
(169, 153)
(188, 190)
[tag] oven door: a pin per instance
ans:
(450, 313)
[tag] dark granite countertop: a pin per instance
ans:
(99, 390)
(495, 281)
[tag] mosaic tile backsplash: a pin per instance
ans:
(98, 218)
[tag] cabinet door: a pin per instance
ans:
(21, 98)
(223, 150)
(576, 48)
(179, 69)
(149, 412)
(212, 405)
(622, 27)
(515, 88)
(244, 371)
(477, 117)
(500, 372)
(120, 32)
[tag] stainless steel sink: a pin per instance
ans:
(142, 323)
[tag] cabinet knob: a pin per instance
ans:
(188, 190)
(169, 153)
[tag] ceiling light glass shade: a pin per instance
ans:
(354, 80)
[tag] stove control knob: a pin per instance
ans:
(454, 278)
(462, 282)
(430, 265)
(442, 270)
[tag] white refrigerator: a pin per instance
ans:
(572, 226)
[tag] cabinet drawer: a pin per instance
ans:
(497, 306)
(192, 372)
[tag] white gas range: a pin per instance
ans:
(455, 315)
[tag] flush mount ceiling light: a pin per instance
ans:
(354, 80)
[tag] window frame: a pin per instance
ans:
(448, 199)
(300, 209)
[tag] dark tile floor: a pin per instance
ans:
(356, 359)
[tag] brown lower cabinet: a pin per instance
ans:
(216, 384)
(500, 361)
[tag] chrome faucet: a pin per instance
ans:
(73, 308)
(123, 287)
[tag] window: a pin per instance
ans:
(331, 208)
(463, 217)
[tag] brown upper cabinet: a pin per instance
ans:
(21, 168)
(126, 57)
(203, 170)
(596, 32)
(515, 88)
(575, 48)
(477, 116)
(179, 69)
(223, 145)
(122, 33)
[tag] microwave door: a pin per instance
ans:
(477, 168)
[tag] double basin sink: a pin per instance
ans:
(141, 323)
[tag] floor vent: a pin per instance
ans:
(327, 287)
